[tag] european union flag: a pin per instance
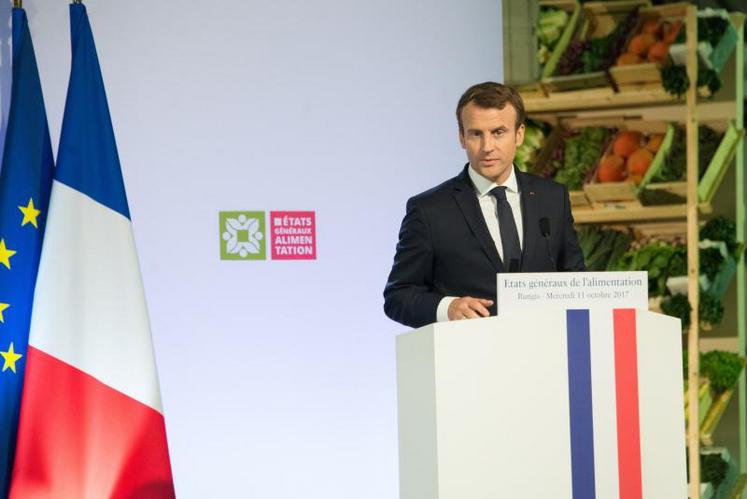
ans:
(25, 182)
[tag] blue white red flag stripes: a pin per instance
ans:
(580, 404)
(25, 182)
(607, 453)
(91, 421)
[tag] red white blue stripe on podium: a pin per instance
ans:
(585, 431)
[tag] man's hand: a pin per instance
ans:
(467, 307)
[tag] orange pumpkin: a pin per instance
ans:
(639, 161)
(611, 169)
(626, 143)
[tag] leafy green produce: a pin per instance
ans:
(677, 306)
(711, 261)
(602, 248)
(550, 25)
(601, 53)
(674, 167)
(711, 29)
(710, 309)
(722, 229)
(674, 79)
(722, 369)
(658, 259)
(713, 469)
(581, 152)
(709, 78)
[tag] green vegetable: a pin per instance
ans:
(581, 153)
(711, 29)
(675, 162)
(677, 306)
(674, 79)
(550, 26)
(709, 78)
(710, 309)
(711, 261)
(722, 229)
(713, 469)
(722, 369)
(602, 248)
(661, 260)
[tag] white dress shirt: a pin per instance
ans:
(489, 208)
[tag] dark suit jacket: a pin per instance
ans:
(445, 248)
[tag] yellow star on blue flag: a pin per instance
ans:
(30, 213)
(11, 358)
(25, 183)
(5, 253)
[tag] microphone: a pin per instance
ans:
(545, 231)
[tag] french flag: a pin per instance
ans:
(91, 422)
(621, 418)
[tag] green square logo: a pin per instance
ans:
(242, 235)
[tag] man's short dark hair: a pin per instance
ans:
(491, 95)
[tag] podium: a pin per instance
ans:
(554, 404)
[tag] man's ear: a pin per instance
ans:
(520, 135)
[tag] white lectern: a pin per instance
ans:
(556, 404)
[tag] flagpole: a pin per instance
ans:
(17, 4)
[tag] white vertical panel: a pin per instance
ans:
(604, 403)
(503, 415)
(661, 386)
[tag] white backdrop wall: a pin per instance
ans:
(278, 377)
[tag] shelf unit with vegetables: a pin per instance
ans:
(649, 102)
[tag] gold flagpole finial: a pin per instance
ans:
(77, 1)
(17, 4)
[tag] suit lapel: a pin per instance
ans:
(530, 218)
(464, 194)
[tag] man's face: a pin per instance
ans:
(490, 138)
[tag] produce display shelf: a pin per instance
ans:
(595, 99)
(624, 213)
(673, 112)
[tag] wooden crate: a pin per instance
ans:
(647, 75)
(597, 19)
(574, 10)
(716, 170)
(625, 194)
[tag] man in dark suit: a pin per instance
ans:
(490, 218)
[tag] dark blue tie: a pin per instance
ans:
(509, 234)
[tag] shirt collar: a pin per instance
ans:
(483, 186)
